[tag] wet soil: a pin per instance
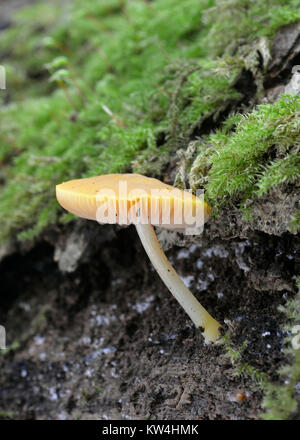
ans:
(108, 340)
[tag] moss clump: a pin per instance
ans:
(234, 22)
(262, 152)
(117, 85)
(241, 368)
(6, 415)
(281, 399)
(112, 68)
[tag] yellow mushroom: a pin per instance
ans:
(144, 202)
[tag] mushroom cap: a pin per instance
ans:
(132, 199)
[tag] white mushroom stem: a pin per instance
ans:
(184, 296)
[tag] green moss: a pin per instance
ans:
(108, 108)
(6, 414)
(234, 22)
(241, 368)
(117, 85)
(281, 399)
(260, 154)
(295, 223)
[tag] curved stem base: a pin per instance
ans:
(184, 296)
